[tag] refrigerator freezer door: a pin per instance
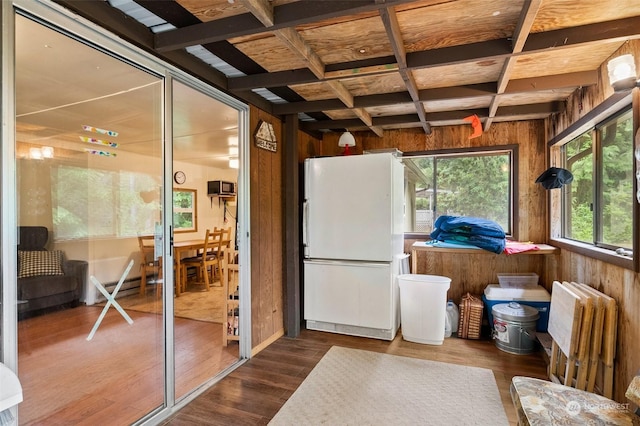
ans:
(350, 293)
(353, 207)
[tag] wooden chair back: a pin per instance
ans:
(148, 262)
(226, 237)
(211, 257)
(212, 242)
(147, 247)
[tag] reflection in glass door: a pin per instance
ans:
(89, 186)
(205, 153)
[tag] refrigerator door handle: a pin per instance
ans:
(305, 223)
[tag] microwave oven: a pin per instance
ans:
(221, 187)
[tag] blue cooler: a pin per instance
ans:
(536, 297)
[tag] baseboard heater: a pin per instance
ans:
(108, 271)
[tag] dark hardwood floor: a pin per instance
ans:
(253, 393)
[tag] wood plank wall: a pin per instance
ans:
(266, 210)
(619, 283)
(267, 228)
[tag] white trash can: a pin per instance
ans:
(423, 305)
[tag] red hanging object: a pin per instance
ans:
(476, 124)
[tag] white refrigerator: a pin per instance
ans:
(353, 244)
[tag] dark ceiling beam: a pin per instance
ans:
(286, 15)
(336, 104)
(273, 79)
(540, 108)
(457, 115)
(523, 28)
(621, 29)
(308, 106)
(485, 50)
(392, 27)
(112, 19)
(551, 82)
(457, 92)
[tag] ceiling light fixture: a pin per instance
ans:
(346, 140)
(47, 151)
(622, 73)
(40, 153)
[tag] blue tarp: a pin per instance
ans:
(483, 233)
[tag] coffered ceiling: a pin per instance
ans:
(382, 64)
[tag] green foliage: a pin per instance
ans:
(471, 185)
(100, 203)
(614, 219)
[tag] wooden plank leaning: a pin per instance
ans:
(586, 328)
(565, 316)
(596, 334)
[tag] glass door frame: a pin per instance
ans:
(52, 13)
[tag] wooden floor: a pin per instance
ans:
(253, 393)
(117, 377)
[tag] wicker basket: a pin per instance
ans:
(470, 324)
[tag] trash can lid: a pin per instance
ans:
(425, 278)
(515, 311)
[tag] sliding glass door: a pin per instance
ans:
(112, 155)
(205, 149)
(89, 168)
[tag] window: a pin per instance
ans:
(184, 210)
(597, 206)
(468, 183)
(95, 203)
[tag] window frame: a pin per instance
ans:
(512, 149)
(193, 210)
(607, 110)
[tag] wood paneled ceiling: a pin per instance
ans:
(384, 64)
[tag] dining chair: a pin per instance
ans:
(207, 262)
(225, 238)
(148, 262)
(225, 242)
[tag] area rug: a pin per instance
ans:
(357, 387)
(195, 303)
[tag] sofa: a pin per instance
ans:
(46, 279)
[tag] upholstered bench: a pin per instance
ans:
(540, 402)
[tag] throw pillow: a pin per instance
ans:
(36, 263)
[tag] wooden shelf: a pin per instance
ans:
(422, 246)
(543, 249)
(231, 319)
(232, 307)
